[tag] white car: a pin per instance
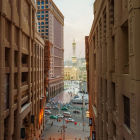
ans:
(60, 116)
(70, 120)
(47, 112)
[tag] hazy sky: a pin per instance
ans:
(78, 20)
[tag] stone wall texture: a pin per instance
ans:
(112, 55)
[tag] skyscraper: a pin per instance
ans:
(50, 27)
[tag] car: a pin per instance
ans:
(76, 111)
(64, 108)
(59, 116)
(53, 117)
(70, 120)
(47, 107)
(47, 112)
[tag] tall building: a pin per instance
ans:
(21, 71)
(74, 58)
(50, 27)
(75, 69)
(113, 54)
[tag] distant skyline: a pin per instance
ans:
(77, 23)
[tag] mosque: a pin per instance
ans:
(76, 68)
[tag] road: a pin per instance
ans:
(52, 131)
(72, 131)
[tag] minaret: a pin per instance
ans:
(74, 58)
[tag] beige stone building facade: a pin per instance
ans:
(113, 59)
(21, 71)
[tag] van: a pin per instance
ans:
(67, 114)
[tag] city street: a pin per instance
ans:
(72, 131)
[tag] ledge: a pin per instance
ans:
(6, 113)
(25, 110)
(23, 88)
(24, 100)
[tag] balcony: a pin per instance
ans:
(24, 86)
(24, 68)
(7, 68)
(24, 97)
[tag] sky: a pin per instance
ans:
(77, 24)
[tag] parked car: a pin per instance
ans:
(47, 112)
(47, 107)
(67, 114)
(53, 117)
(70, 120)
(59, 116)
(64, 108)
(76, 111)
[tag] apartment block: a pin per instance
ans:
(50, 27)
(113, 54)
(21, 71)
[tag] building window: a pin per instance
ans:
(42, 2)
(42, 12)
(38, 30)
(127, 111)
(46, 22)
(42, 34)
(46, 37)
(47, 6)
(42, 26)
(46, 15)
(38, 16)
(47, 30)
(38, 23)
(46, 2)
(46, 11)
(38, 3)
(46, 19)
(42, 7)
(46, 33)
(38, 12)
(38, 7)
(42, 23)
(38, 27)
(42, 30)
(42, 15)
(46, 26)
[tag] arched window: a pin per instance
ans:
(42, 23)
(38, 23)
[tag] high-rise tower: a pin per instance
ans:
(50, 27)
(74, 58)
